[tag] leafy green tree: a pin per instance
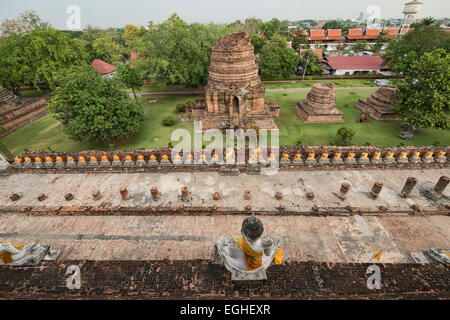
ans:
(344, 136)
(360, 45)
(276, 60)
(257, 43)
(129, 77)
(310, 61)
(35, 57)
(424, 95)
(93, 108)
(270, 28)
(299, 40)
(130, 34)
(106, 49)
(423, 39)
(176, 52)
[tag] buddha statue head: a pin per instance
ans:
(252, 228)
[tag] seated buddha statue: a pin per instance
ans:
(249, 255)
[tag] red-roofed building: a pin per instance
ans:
(317, 52)
(391, 33)
(334, 34)
(103, 67)
(350, 65)
(355, 34)
(317, 35)
(372, 34)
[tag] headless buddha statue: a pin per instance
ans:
(248, 256)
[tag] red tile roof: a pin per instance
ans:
(372, 33)
(102, 66)
(317, 52)
(391, 33)
(355, 62)
(335, 34)
(317, 35)
(355, 34)
(134, 56)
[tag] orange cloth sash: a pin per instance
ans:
(6, 256)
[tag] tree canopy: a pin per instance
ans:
(35, 57)
(93, 108)
(421, 40)
(424, 96)
(276, 60)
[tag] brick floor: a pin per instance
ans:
(199, 279)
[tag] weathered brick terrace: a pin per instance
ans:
(146, 227)
(199, 279)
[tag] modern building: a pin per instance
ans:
(356, 65)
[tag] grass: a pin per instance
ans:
(46, 134)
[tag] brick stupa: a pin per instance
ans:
(379, 104)
(234, 96)
(320, 105)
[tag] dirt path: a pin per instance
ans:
(267, 90)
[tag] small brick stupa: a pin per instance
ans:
(320, 105)
(380, 104)
(234, 96)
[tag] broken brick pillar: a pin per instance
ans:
(96, 195)
(376, 189)
(155, 193)
(408, 187)
(440, 187)
(310, 195)
(345, 187)
(15, 196)
(278, 195)
(42, 197)
(185, 194)
(68, 196)
(216, 196)
(124, 193)
(247, 195)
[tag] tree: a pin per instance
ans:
(257, 42)
(344, 136)
(35, 57)
(93, 108)
(130, 34)
(270, 28)
(360, 45)
(424, 95)
(423, 39)
(276, 60)
(106, 49)
(26, 22)
(428, 21)
(177, 52)
(310, 61)
(299, 40)
(129, 77)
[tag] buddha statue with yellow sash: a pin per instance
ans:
(248, 256)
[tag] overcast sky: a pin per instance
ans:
(115, 13)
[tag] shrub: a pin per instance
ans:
(168, 121)
(181, 108)
(367, 144)
(344, 136)
(190, 101)
(111, 146)
(170, 144)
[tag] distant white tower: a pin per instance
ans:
(410, 11)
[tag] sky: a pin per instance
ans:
(115, 13)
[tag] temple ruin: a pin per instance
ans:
(16, 112)
(320, 105)
(379, 104)
(234, 96)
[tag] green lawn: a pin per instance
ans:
(45, 134)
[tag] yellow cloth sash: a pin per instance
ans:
(253, 258)
(6, 256)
